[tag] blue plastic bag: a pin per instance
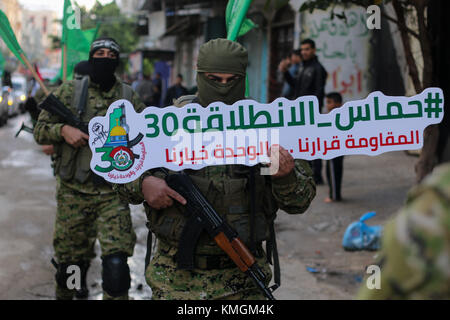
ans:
(360, 236)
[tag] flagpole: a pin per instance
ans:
(34, 73)
(65, 62)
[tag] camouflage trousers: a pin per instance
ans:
(83, 218)
(169, 283)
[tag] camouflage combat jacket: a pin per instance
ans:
(72, 165)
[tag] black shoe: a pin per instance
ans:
(83, 293)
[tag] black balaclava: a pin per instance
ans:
(221, 56)
(103, 68)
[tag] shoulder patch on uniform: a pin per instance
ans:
(127, 92)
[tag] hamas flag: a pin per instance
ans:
(236, 22)
(77, 42)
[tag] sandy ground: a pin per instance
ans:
(28, 206)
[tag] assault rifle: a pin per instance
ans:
(202, 216)
(54, 106)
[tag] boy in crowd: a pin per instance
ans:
(335, 167)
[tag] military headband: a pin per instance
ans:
(105, 43)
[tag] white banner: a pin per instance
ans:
(125, 144)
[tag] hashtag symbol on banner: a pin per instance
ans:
(433, 105)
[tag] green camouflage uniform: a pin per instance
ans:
(86, 210)
(415, 255)
(225, 187)
(228, 188)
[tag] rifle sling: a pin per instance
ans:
(80, 96)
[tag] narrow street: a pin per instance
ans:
(28, 206)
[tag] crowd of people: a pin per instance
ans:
(151, 90)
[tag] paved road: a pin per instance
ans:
(28, 206)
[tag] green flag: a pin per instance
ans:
(236, 23)
(68, 12)
(78, 45)
(7, 34)
(77, 41)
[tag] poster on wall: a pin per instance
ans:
(343, 49)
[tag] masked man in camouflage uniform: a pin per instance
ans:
(221, 77)
(87, 205)
(415, 255)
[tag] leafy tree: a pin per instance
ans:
(148, 67)
(112, 24)
(55, 41)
